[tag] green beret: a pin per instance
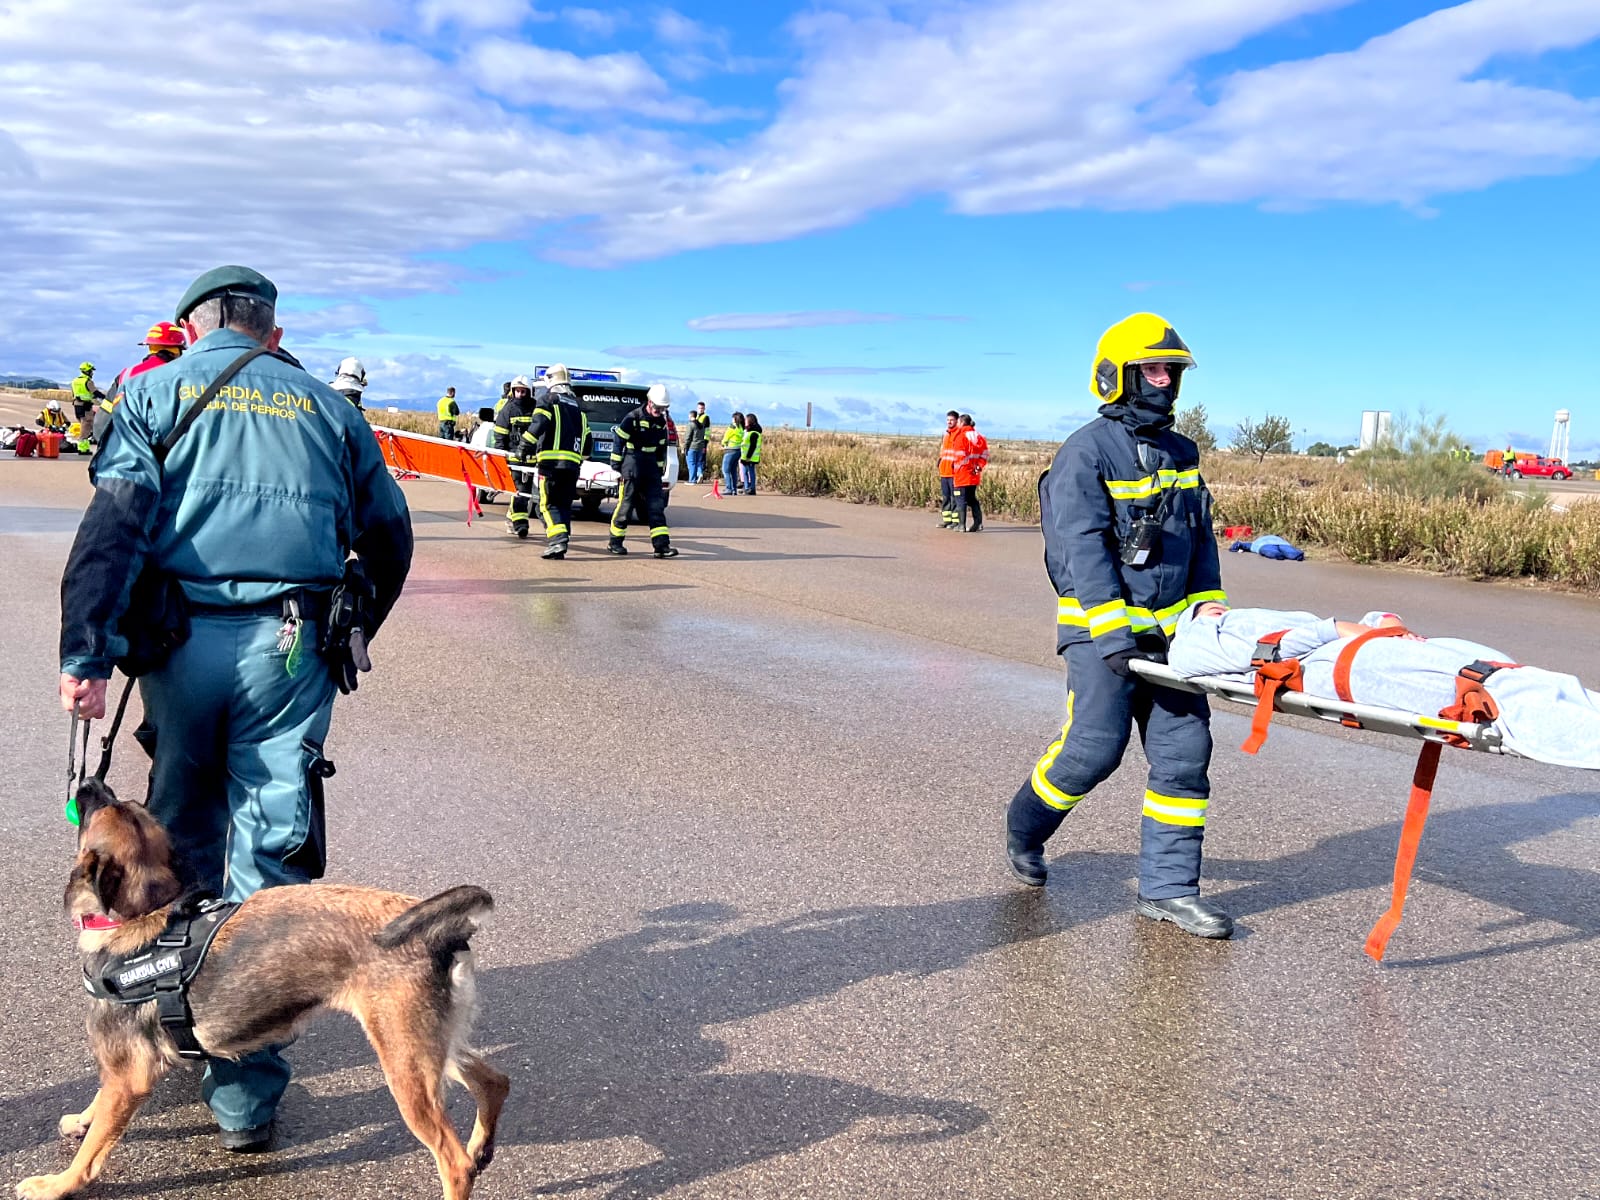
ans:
(236, 281)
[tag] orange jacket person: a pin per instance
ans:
(947, 470)
(972, 455)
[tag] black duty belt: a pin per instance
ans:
(313, 607)
(163, 969)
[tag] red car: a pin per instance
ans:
(1540, 467)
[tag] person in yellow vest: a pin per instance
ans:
(732, 445)
(84, 392)
(52, 418)
(449, 410)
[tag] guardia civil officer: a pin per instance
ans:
(510, 434)
(639, 453)
(1129, 547)
(255, 513)
(557, 441)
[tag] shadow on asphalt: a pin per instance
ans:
(518, 587)
(610, 1044)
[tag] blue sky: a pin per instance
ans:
(882, 209)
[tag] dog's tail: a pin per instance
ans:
(442, 923)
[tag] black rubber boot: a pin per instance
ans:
(246, 1141)
(615, 546)
(1029, 824)
(1192, 914)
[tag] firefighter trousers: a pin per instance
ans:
(641, 497)
(558, 489)
(522, 500)
(1102, 711)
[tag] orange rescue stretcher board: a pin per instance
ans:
(435, 458)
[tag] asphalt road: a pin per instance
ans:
(741, 816)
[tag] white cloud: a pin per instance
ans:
(1034, 104)
(862, 370)
(537, 75)
(670, 351)
(595, 22)
(477, 14)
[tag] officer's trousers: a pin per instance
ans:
(947, 499)
(1175, 728)
(522, 500)
(641, 497)
(447, 430)
(558, 489)
(236, 749)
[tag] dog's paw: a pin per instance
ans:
(43, 1187)
(74, 1125)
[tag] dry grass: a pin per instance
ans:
(1417, 509)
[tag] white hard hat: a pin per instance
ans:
(557, 374)
(54, 406)
(657, 395)
(521, 381)
(351, 368)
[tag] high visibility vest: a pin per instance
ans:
(948, 453)
(751, 452)
(81, 390)
(733, 439)
(449, 410)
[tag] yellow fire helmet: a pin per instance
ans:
(1141, 338)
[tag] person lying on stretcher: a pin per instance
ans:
(1542, 715)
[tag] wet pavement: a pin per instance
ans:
(741, 814)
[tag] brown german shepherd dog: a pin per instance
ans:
(401, 967)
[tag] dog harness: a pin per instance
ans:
(163, 969)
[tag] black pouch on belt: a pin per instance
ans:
(344, 633)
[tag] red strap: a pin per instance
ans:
(1347, 657)
(1274, 675)
(96, 922)
(1406, 857)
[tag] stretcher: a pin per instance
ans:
(414, 455)
(1434, 732)
(1240, 689)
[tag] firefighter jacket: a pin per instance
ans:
(750, 448)
(270, 490)
(511, 428)
(639, 444)
(948, 453)
(558, 433)
(972, 455)
(1104, 479)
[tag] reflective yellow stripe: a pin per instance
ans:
(555, 531)
(1167, 618)
(663, 531)
(1042, 787)
(1217, 597)
(1175, 810)
(1102, 618)
(560, 456)
(1152, 485)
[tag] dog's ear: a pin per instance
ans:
(104, 874)
(93, 794)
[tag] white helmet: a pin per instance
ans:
(657, 395)
(351, 373)
(54, 406)
(521, 381)
(557, 374)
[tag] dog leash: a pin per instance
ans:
(78, 751)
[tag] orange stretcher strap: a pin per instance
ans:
(1347, 658)
(1406, 857)
(1274, 675)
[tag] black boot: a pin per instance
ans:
(1192, 914)
(556, 549)
(615, 546)
(1029, 824)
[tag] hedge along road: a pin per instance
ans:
(741, 816)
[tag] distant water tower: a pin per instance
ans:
(1561, 436)
(1374, 429)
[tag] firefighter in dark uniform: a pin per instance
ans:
(557, 441)
(257, 515)
(510, 432)
(639, 453)
(1129, 547)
